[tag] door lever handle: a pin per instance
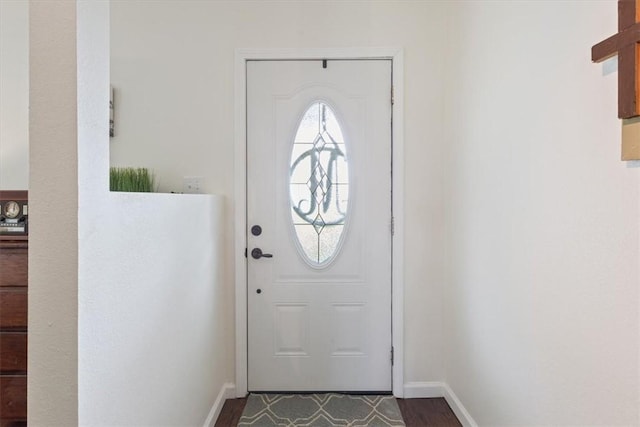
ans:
(256, 253)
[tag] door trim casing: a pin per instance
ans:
(240, 192)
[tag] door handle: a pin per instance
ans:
(256, 253)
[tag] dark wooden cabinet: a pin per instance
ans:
(14, 276)
(13, 406)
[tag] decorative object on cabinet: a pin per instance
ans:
(14, 215)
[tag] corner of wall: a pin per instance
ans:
(458, 408)
(227, 391)
(435, 389)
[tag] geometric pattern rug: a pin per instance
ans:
(320, 410)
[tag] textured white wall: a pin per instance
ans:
(14, 95)
(541, 312)
(129, 321)
(154, 313)
(53, 200)
(154, 316)
(173, 71)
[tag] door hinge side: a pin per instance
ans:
(245, 252)
(392, 356)
(393, 226)
(392, 96)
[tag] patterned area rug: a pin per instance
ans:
(320, 410)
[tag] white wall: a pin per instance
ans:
(129, 319)
(154, 318)
(14, 95)
(173, 71)
(52, 383)
(542, 301)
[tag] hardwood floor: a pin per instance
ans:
(416, 413)
(427, 412)
(231, 413)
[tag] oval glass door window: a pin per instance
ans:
(319, 185)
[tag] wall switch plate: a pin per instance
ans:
(191, 184)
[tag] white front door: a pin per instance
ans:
(319, 210)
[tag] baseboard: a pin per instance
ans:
(458, 408)
(228, 391)
(418, 390)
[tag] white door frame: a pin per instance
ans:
(240, 205)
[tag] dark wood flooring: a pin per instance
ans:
(416, 413)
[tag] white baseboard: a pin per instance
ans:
(417, 390)
(458, 408)
(228, 391)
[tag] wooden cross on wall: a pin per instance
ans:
(626, 44)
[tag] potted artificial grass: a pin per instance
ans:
(137, 180)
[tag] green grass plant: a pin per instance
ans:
(133, 180)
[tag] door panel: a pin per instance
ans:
(319, 326)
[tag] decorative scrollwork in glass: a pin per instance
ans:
(319, 183)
